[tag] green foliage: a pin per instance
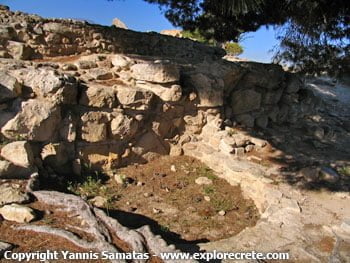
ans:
(314, 34)
(233, 48)
(204, 171)
(345, 170)
(89, 188)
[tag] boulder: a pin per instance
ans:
(19, 50)
(156, 72)
(100, 74)
(10, 171)
(17, 213)
(10, 194)
(134, 98)
(243, 101)
(94, 126)
(10, 88)
(210, 91)
(99, 96)
(172, 93)
(268, 76)
(86, 64)
(37, 121)
(120, 61)
(18, 153)
(49, 83)
(123, 126)
(150, 143)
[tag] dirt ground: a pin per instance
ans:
(163, 194)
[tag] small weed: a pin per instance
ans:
(164, 228)
(231, 132)
(91, 187)
(209, 189)
(221, 204)
(345, 170)
(206, 172)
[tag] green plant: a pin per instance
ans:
(206, 172)
(220, 203)
(90, 187)
(233, 48)
(209, 189)
(164, 228)
(231, 132)
(345, 170)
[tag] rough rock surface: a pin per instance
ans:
(17, 213)
(10, 194)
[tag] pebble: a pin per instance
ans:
(222, 213)
(173, 168)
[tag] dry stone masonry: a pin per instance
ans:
(116, 96)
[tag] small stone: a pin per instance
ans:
(249, 148)
(17, 213)
(99, 201)
(222, 213)
(147, 195)
(9, 194)
(156, 211)
(207, 198)
(120, 178)
(173, 168)
(140, 183)
(203, 181)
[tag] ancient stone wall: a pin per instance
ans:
(125, 96)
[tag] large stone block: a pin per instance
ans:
(9, 87)
(134, 98)
(99, 96)
(18, 153)
(37, 120)
(210, 91)
(243, 101)
(123, 127)
(156, 72)
(94, 126)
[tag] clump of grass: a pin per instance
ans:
(164, 228)
(209, 189)
(204, 171)
(92, 186)
(219, 204)
(231, 132)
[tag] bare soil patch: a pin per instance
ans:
(163, 193)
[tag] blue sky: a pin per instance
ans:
(136, 14)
